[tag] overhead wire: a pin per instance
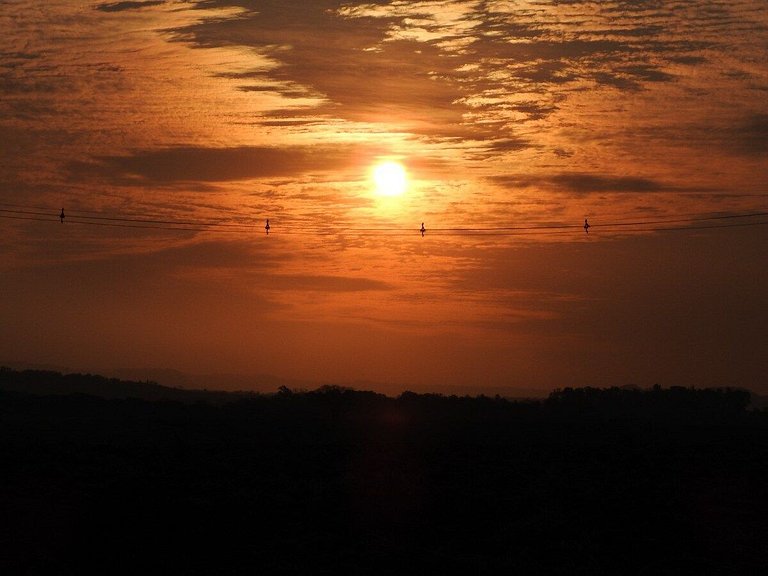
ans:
(79, 216)
(151, 222)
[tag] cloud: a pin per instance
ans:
(492, 148)
(360, 77)
(206, 254)
(120, 6)
(584, 183)
(190, 164)
(688, 60)
(749, 137)
(448, 69)
(744, 136)
(321, 283)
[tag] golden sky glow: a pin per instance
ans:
(170, 131)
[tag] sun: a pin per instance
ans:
(390, 178)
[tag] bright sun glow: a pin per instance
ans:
(390, 178)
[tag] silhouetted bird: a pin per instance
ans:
(586, 226)
(61, 216)
(266, 227)
(423, 229)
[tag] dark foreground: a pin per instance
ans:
(343, 482)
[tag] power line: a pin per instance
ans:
(82, 218)
(26, 218)
(147, 219)
(22, 212)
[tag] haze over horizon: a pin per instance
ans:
(170, 131)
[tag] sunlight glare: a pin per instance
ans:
(390, 178)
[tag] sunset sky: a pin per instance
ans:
(170, 131)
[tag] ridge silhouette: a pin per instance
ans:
(341, 481)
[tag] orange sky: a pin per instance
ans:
(170, 131)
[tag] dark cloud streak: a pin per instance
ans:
(120, 6)
(584, 183)
(315, 283)
(190, 164)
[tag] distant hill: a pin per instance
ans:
(108, 476)
(49, 382)
(626, 402)
(263, 383)
(268, 383)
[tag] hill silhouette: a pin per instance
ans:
(339, 481)
(51, 382)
